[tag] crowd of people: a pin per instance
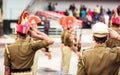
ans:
(102, 59)
(89, 16)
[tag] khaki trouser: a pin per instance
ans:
(22, 73)
(62, 46)
(66, 56)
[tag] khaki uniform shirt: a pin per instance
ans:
(62, 36)
(67, 40)
(113, 42)
(100, 60)
(22, 53)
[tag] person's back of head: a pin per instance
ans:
(115, 22)
(100, 32)
(21, 35)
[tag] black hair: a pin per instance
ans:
(22, 35)
(115, 25)
(68, 28)
(100, 39)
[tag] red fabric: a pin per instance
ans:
(115, 20)
(35, 18)
(70, 20)
(23, 28)
(22, 16)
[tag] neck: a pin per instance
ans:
(99, 43)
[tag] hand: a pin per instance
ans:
(33, 34)
(113, 33)
(48, 54)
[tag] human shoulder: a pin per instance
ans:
(10, 44)
(87, 49)
(84, 53)
(115, 49)
(7, 48)
(28, 39)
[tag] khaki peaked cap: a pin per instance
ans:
(100, 29)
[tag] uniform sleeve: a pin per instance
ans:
(117, 51)
(40, 44)
(110, 43)
(6, 59)
(81, 69)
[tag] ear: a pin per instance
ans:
(93, 38)
(108, 37)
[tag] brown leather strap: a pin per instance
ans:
(21, 70)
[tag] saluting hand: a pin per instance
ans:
(113, 33)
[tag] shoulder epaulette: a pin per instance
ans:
(87, 49)
(6, 48)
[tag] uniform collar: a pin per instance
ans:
(100, 45)
(19, 39)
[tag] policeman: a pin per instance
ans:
(64, 29)
(18, 56)
(34, 20)
(62, 45)
(67, 43)
(100, 60)
(67, 50)
(115, 26)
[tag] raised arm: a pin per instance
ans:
(114, 34)
(41, 37)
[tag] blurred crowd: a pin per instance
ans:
(87, 15)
